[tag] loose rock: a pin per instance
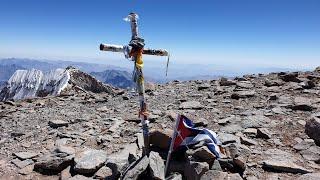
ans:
(89, 161)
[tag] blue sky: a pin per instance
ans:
(234, 32)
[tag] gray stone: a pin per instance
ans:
(225, 120)
(65, 149)
(156, 165)
(26, 155)
(138, 169)
(191, 105)
(57, 123)
(243, 94)
(311, 154)
(248, 141)
(194, 170)
(232, 128)
(263, 133)
(21, 164)
(214, 174)
(26, 170)
(89, 161)
(250, 132)
(244, 84)
(302, 103)
(104, 173)
(228, 138)
(53, 162)
(270, 83)
(284, 166)
(255, 121)
(303, 145)
(200, 122)
(312, 129)
(216, 166)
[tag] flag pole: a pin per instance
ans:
(174, 135)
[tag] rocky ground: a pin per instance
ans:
(261, 121)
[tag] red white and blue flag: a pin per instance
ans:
(186, 135)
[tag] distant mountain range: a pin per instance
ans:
(113, 75)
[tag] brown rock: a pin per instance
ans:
(312, 129)
(160, 138)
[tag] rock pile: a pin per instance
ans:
(268, 126)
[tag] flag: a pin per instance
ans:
(186, 134)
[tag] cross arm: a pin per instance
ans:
(118, 48)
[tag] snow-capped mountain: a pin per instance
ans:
(34, 83)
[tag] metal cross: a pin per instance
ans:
(134, 51)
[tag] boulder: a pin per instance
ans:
(312, 129)
(89, 161)
(156, 164)
(160, 138)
